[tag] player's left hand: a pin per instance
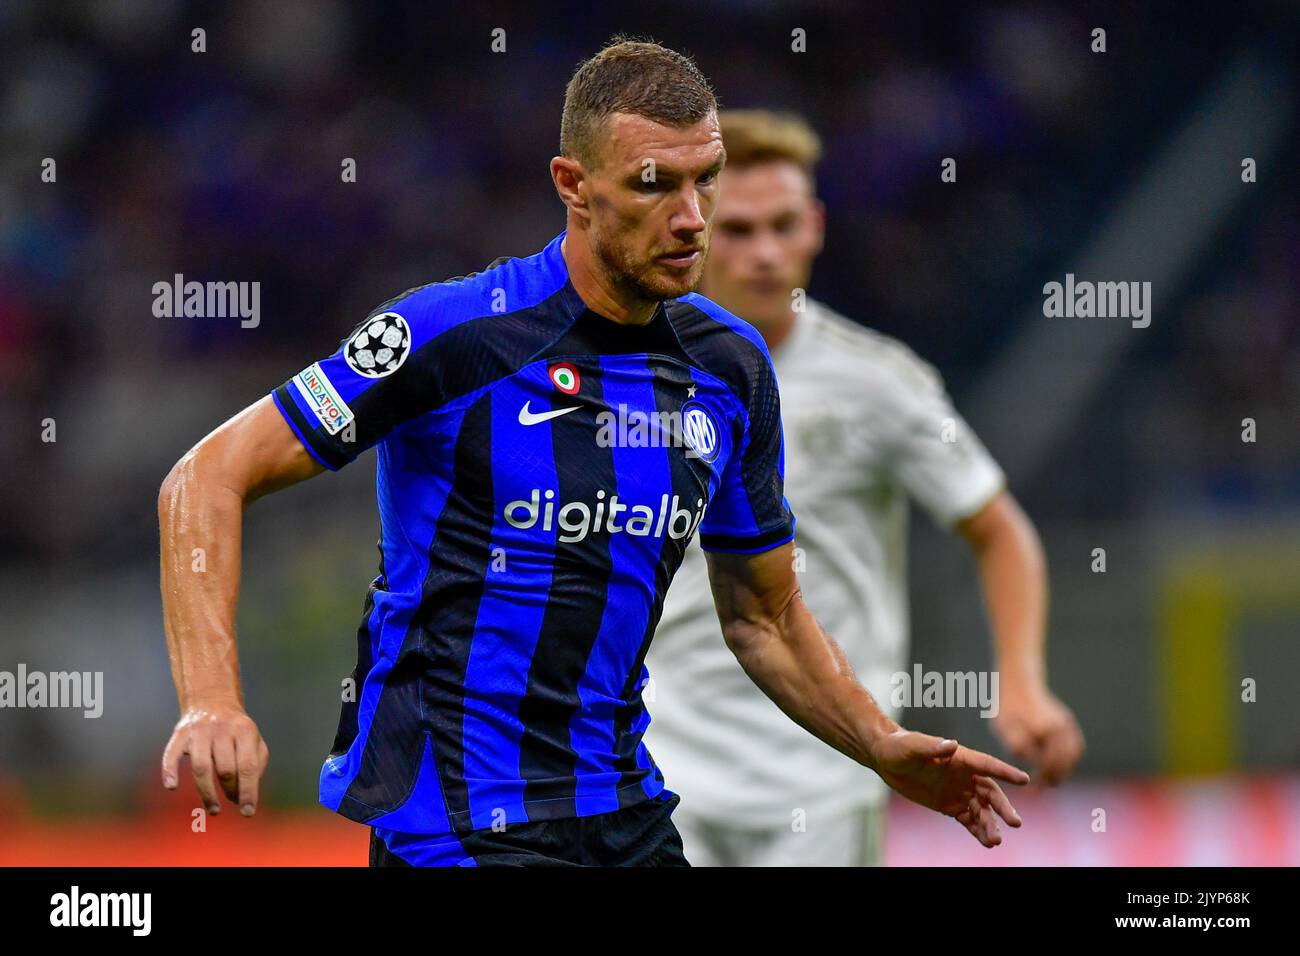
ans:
(952, 779)
(1037, 728)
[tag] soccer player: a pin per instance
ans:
(525, 545)
(869, 427)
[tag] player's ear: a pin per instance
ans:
(568, 176)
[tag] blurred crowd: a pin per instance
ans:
(227, 165)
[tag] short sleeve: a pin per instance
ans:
(937, 457)
(376, 380)
(748, 512)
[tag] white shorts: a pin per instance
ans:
(854, 838)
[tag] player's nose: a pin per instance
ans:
(688, 219)
(766, 250)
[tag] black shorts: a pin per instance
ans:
(640, 835)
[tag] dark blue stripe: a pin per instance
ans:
(449, 605)
(392, 636)
(630, 597)
(511, 612)
(575, 605)
(670, 384)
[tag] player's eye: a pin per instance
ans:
(708, 177)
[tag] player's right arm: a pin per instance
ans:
(393, 367)
(200, 516)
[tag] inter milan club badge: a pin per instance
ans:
(565, 377)
(700, 431)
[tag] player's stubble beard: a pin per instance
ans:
(640, 278)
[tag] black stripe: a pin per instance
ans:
(458, 563)
(347, 731)
(670, 384)
(574, 609)
(740, 363)
(429, 673)
(391, 758)
(754, 543)
(594, 335)
(428, 676)
(307, 428)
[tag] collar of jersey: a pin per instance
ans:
(573, 302)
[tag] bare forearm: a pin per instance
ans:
(804, 671)
(1013, 574)
(200, 524)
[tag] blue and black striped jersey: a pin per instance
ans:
(540, 470)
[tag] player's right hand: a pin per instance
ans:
(226, 751)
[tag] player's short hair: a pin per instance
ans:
(631, 76)
(751, 137)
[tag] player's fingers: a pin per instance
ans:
(992, 794)
(248, 759)
(932, 748)
(981, 763)
(989, 823)
(1052, 765)
(223, 763)
(1061, 752)
(199, 747)
(1077, 745)
(981, 824)
(1037, 752)
(1055, 750)
(1017, 739)
(171, 761)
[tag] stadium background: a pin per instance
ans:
(225, 165)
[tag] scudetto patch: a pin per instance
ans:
(565, 377)
(380, 346)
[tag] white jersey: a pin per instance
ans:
(867, 425)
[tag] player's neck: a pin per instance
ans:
(595, 291)
(779, 331)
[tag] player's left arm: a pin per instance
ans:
(1033, 724)
(747, 534)
(803, 670)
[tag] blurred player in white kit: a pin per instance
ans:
(868, 426)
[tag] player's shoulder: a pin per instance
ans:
(701, 317)
(507, 286)
(720, 342)
(880, 361)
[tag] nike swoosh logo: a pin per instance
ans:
(535, 418)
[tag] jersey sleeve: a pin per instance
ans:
(748, 512)
(937, 457)
(379, 377)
